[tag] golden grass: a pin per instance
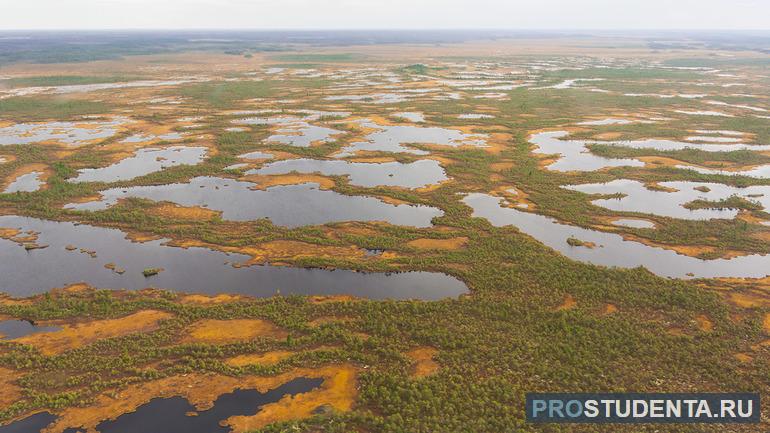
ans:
(9, 392)
(26, 169)
(439, 244)
(226, 331)
(202, 389)
(81, 334)
(568, 303)
(208, 300)
(181, 212)
(264, 182)
(704, 323)
(423, 363)
(268, 358)
(338, 391)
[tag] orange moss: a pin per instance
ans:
(81, 334)
(201, 390)
(423, 363)
(610, 308)
(275, 251)
(337, 391)
(43, 169)
(268, 358)
(181, 212)
(207, 300)
(264, 182)
(743, 357)
(439, 244)
(226, 331)
(11, 393)
(704, 323)
(568, 303)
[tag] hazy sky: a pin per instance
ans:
(386, 14)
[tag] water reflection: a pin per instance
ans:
(28, 182)
(670, 201)
(611, 249)
(146, 161)
(394, 138)
(285, 205)
(173, 415)
(68, 260)
(10, 329)
(415, 174)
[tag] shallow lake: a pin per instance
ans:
(14, 328)
(415, 174)
(170, 415)
(195, 270)
(285, 205)
(611, 249)
(394, 138)
(671, 204)
(295, 131)
(575, 155)
(68, 133)
(145, 161)
(31, 424)
(29, 182)
(177, 415)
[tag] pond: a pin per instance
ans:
(145, 161)
(394, 138)
(31, 424)
(14, 328)
(411, 116)
(415, 174)
(68, 133)
(285, 205)
(294, 131)
(611, 249)
(172, 415)
(28, 182)
(67, 260)
(177, 415)
(574, 155)
(638, 198)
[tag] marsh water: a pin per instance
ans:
(145, 161)
(415, 174)
(574, 155)
(294, 131)
(285, 205)
(394, 138)
(171, 415)
(14, 328)
(195, 270)
(670, 202)
(69, 133)
(31, 424)
(177, 415)
(28, 182)
(611, 249)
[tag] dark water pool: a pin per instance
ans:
(195, 270)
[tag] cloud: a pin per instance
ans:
(320, 14)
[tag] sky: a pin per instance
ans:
(385, 14)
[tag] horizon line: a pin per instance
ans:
(412, 29)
